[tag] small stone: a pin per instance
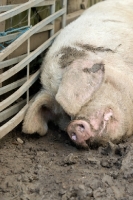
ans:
(62, 192)
(64, 186)
(20, 141)
(98, 193)
(106, 164)
(114, 174)
(39, 166)
(82, 187)
(117, 192)
(89, 192)
(19, 178)
(96, 184)
(92, 161)
(107, 179)
(70, 159)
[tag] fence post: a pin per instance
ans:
(52, 11)
(28, 52)
(64, 5)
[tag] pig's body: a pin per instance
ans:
(88, 73)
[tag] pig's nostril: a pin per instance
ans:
(73, 136)
(81, 125)
(82, 128)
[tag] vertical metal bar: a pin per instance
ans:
(28, 52)
(89, 3)
(92, 2)
(64, 5)
(52, 11)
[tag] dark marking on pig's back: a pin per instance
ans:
(88, 47)
(95, 68)
(115, 21)
(69, 54)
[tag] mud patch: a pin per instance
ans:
(69, 54)
(88, 47)
(95, 68)
(51, 168)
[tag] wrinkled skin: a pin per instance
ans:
(87, 78)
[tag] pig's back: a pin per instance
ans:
(108, 25)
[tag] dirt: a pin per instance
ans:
(52, 168)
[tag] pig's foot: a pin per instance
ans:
(38, 115)
(36, 123)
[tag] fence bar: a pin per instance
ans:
(11, 61)
(6, 128)
(52, 9)
(14, 35)
(9, 7)
(12, 110)
(27, 60)
(28, 53)
(29, 33)
(5, 8)
(19, 9)
(12, 86)
(8, 101)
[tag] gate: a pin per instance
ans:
(12, 107)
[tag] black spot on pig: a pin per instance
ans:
(88, 47)
(69, 54)
(95, 68)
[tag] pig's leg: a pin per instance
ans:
(38, 114)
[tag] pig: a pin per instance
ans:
(87, 78)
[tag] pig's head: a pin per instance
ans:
(91, 125)
(80, 81)
(85, 96)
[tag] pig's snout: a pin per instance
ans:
(79, 131)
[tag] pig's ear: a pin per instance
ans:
(34, 119)
(80, 80)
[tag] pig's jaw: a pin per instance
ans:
(81, 130)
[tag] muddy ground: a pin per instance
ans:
(52, 168)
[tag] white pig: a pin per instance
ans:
(87, 77)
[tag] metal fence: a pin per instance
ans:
(11, 111)
(12, 106)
